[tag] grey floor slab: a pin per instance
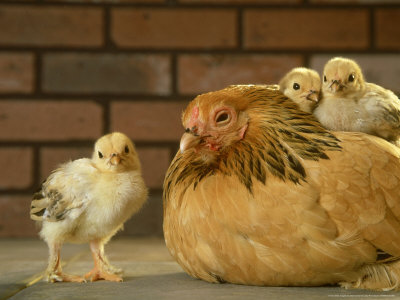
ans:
(149, 273)
(23, 261)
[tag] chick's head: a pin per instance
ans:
(342, 77)
(303, 86)
(212, 123)
(115, 152)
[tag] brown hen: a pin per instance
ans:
(261, 194)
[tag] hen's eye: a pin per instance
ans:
(324, 78)
(296, 86)
(100, 154)
(222, 117)
(351, 78)
(126, 149)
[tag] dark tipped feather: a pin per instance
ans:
(278, 138)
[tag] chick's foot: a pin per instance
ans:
(60, 277)
(97, 274)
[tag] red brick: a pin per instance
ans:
(387, 29)
(183, 28)
(109, 1)
(107, 73)
(61, 26)
(148, 121)
(203, 73)
(16, 168)
(49, 120)
(155, 162)
(14, 216)
(382, 69)
(16, 72)
(352, 2)
(306, 29)
(240, 1)
(51, 158)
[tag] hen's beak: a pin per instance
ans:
(115, 159)
(189, 140)
(313, 96)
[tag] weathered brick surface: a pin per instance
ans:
(69, 69)
(16, 72)
(380, 69)
(306, 29)
(148, 121)
(352, 2)
(14, 216)
(24, 25)
(49, 120)
(110, 1)
(387, 29)
(155, 162)
(16, 168)
(107, 73)
(201, 73)
(174, 28)
(241, 1)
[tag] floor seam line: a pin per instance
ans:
(35, 278)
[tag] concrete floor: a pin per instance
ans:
(149, 273)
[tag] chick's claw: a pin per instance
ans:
(97, 274)
(62, 277)
(113, 270)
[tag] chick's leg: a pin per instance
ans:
(54, 272)
(102, 269)
(110, 268)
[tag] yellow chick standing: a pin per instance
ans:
(88, 200)
(351, 104)
(303, 87)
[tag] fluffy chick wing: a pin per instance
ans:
(384, 108)
(64, 193)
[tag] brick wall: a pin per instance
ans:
(72, 70)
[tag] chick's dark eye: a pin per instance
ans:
(351, 78)
(100, 154)
(324, 78)
(126, 149)
(296, 86)
(222, 117)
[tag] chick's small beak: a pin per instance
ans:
(189, 140)
(336, 85)
(115, 159)
(313, 96)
